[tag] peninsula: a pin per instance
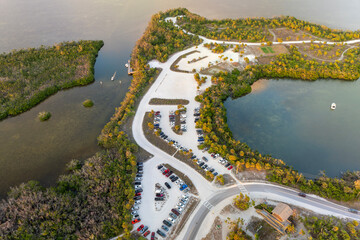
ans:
(171, 168)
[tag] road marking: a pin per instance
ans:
(160, 83)
(207, 205)
(243, 189)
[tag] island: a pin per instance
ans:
(28, 76)
(149, 181)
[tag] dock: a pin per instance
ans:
(130, 70)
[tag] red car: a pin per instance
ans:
(229, 168)
(136, 220)
(141, 227)
(147, 233)
(166, 171)
(153, 236)
(138, 194)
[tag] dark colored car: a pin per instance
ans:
(226, 165)
(137, 183)
(215, 174)
(136, 220)
(139, 190)
(137, 198)
(193, 157)
(301, 194)
(159, 199)
(161, 233)
(145, 229)
(138, 175)
(175, 211)
(201, 164)
(160, 166)
(167, 185)
(153, 236)
(167, 223)
(159, 195)
(205, 159)
(353, 210)
(165, 228)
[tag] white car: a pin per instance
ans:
(171, 220)
(138, 186)
(180, 204)
(177, 182)
(134, 208)
(138, 179)
(138, 202)
(180, 209)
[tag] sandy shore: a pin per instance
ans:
(259, 86)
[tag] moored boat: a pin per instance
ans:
(333, 106)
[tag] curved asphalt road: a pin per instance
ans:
(322, 204)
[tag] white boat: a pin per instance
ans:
(333, 106)
(126, 65)
(113, 77)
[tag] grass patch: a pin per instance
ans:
(88, 103)
(163, 101)
(173, 66)
(270, 49)
(265, 50)
(43, 116)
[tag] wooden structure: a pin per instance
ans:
(130, 70)
(279, 217)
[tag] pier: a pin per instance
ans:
(130, 70)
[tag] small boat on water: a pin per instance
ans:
(126, 65)
(113, 77)
(333, 106)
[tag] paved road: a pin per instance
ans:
(274, 192)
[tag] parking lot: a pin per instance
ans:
(149, 214)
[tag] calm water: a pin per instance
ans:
(33, 150)
(292, 120)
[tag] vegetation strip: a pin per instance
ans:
(162, 101)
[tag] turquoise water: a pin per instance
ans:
(33, 150)
(292, 120)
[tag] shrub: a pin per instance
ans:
(88, 103)
(43, 116)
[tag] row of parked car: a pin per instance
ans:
(173, 215)
(225, 163)
(138, 190)
(173, 178)
(200, 135)
(197, 114)
(204, 165)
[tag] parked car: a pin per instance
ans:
(138, 187)
(174, 216)
(182, 187)
(138, 179)
(175, 211)
(137, 183)
(161, 233)
(144, 229)
(231, 167)
(147, 233)
(139, 190)
(160, 195)
(137, 197)
(226, 165)
(215, 174)
(140, 227)
(171, 220)
(136, 220)
(134, 208)
(159, 199)
(167, 223)
(167, 185)
(205, 159)
(165, 228)
(153, 236)
(134, 212)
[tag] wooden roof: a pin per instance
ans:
(282, 212)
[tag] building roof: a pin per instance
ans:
(282, 212)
